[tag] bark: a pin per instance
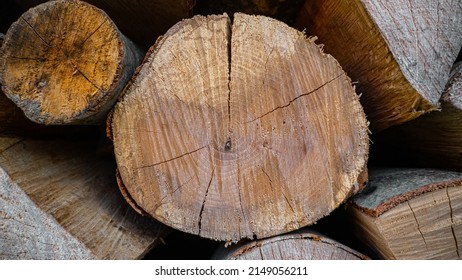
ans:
(142, 20)
(242, 130)
(300, 245)
(433, 140)
(65, 62)
(410, 213)
(399, 52)
(60, 201)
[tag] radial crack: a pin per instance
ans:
(86, 78)
(229, 70)
(180, 156)
(452, 223)
(36, 33)
(203, 202)
(296, 98)
(418, 225)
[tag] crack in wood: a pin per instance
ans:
(91, 34)
(418, 225)
(175, 158)
(203, 202)
(86, 78)
(296, 98)
(35, 31)
(452, 223)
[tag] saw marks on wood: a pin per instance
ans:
(239, 130)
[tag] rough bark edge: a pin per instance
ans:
(404, 197)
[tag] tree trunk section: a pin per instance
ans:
(299, 245)
(242, 130)
(399, 52)
(142, 20)
(433, 140)
(59, 192)
(410, 213)
(65, 62)
(283, 10)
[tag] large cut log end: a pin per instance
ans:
(242, 130)
(65, 62)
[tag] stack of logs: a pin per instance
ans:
(233, 127)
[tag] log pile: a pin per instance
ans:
(230, 125)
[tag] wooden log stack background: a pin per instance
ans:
(230, 129)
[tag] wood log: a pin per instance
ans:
(433, 140)
(283, 10)
(142, 20)
(300, 245)
(29, 233)
(410, 213)
(60, 193)
(399, 52)
(242, 130)
(65, 62)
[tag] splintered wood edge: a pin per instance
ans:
(239, 249)
(404, 197)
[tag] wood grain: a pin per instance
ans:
(66, 62)
(400, 52)
(76, 191)
(241, 130)
(300, 245)
(410, 213)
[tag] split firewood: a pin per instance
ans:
(242, 130)
(399, 52)
(433, 140)
(300, 245)
(65, 62)
(410, 213)
(141, 20)
(283, 10)
(59, 200)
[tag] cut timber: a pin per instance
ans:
(76, 193)
(300, 245)
(283, 10)
(400, 52)
(141, 20)
(29, 233)
(410, 214)
(242, 131)
(65, 62)
(433, 140)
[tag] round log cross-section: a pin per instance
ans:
(66, 62)
(241, 130)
